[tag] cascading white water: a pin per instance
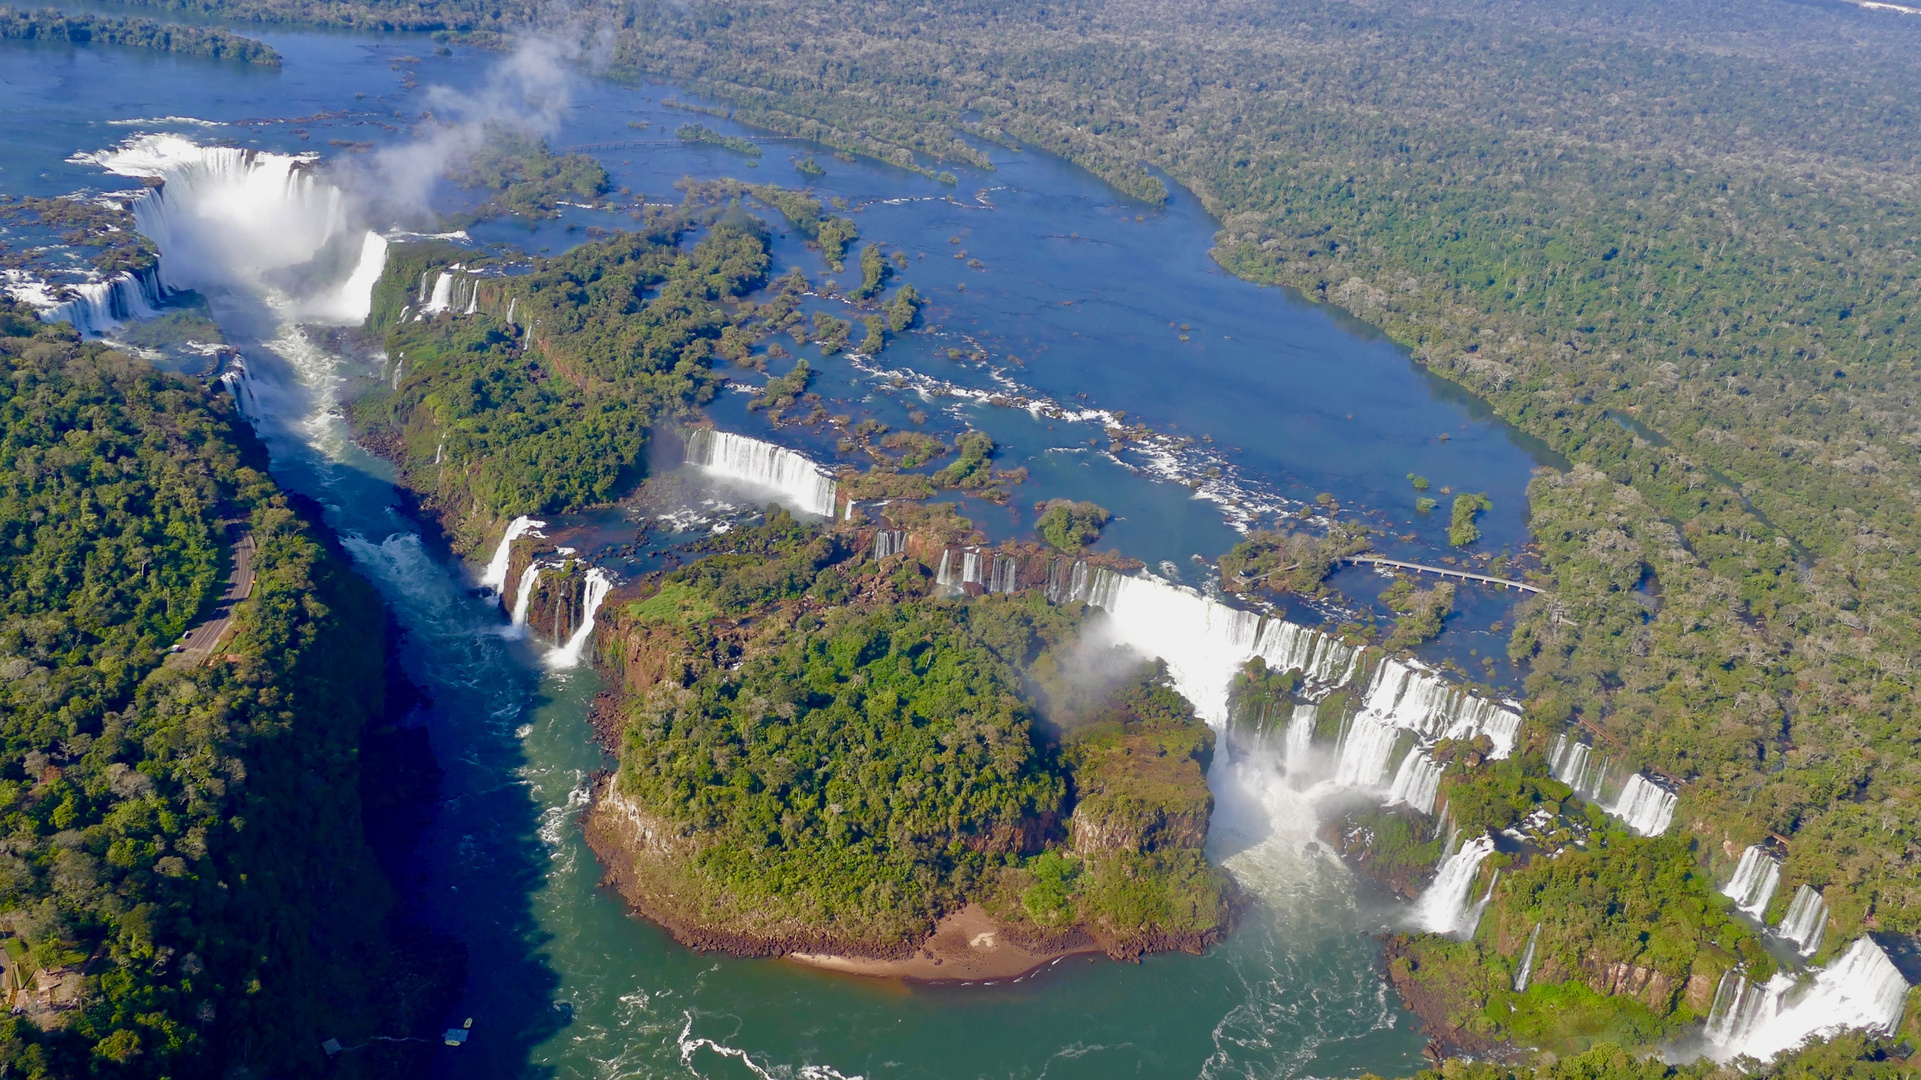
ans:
(598, 585)
(1642, 805)
(1365, 752)
(799, 482)
(1416, 783)
(1413, 700)
(1755, 880)
(495, 576)
(98, 306)
(1526, 969)
(1443, 908)
(1806, 920)
(517, 623)
(1299, 745)
(970, 568)
(941, 576)
(1645, 806)
(251, 221)
(1575, 764)
(441, 299)
(1204, 642)
(1862, 990)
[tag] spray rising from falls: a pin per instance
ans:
(1382, 749)
(1205, 643)
(1862, 990)
(796, 480)
(1755, 880)
(228, 218)
(495, 576)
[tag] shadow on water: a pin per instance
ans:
(481, 856)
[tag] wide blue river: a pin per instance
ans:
(1063, 290)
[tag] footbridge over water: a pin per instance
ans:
(1443, 571)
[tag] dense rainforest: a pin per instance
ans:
(186, 887)
(817, 754)
(1682, 257)
(1674, 241)
(543, 394)
(52, 24)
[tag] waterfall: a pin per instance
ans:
(495, 576)
(1575, 764)
(941, 576)
(1527, 961)
(890, 542)
(442, 298)
(98, 306)
(1203, 641)
(599, 584)
(1416, 783)
(970, 567)
(798, 481)
(1755, 880)
(1366, 750)
(1321, 659)
(1645, 806)
(1806, 920)
(1005, 577)
(228, 217)
(1443, 908)
(239, 382)
(1299, 746)
(1471, 921)
(1862, 990)
(517, 624)
(1416, 701)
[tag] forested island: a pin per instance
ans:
(820, 758)
(1682, 259)
(190, 884)
(52, 24)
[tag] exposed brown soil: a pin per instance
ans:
(1433, 1009)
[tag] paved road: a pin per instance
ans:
(199, 643)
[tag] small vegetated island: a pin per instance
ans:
(818, 757)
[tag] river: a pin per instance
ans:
(1079, 291)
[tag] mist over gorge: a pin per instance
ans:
(863, 540)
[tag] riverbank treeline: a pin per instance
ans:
(187, 886)
(52, 24)
(1728, 279)
(540, 393)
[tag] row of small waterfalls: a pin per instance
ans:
(230, 218)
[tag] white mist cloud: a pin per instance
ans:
(529, 90)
